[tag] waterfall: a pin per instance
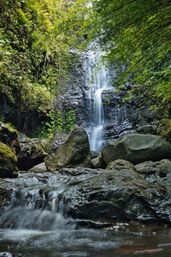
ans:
(39, 208)
(97, 80)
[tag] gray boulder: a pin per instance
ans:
(73, 152)
(161, 168)
(137, 148)
(93, 195)
(117, 195)
(120, 165)
(31, 152)
(39, 168)
(156, 172)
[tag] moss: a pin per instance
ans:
(7, 134)
(6, 152)
(164, 129)
(7, 127)
(11, 129)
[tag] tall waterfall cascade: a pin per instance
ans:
(97, 80)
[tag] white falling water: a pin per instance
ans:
(97, 80)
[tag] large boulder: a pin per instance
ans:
(91, 196)
(156, 172)
(8, 161)
(73, 152)
(117, 195)
(161, 168)
(31, 152)
(137, 148)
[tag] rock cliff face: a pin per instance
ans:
(74, 94)
(119, 118)
(125, 118)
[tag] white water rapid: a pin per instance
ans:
(97, 80)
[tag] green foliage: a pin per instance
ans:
(34, 54)
(65, 121)
(35, 42)
(70, 120)
(57, 122)
(137, 34)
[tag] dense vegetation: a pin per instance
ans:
(34, 57)
(137, 35)
(36, 36)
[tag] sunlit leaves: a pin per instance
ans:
(34, 54)
(139, 33)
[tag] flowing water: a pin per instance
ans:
(97, 80)
(36, 225)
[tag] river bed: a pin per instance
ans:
(120, 240)
(29, 228)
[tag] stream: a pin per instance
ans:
(135, 241)
(36, 224)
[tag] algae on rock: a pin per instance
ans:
(73, 152)
(8, 161)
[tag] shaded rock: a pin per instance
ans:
(86, 163)
(157, 172)
(98, 162)
(137, 148)
(147, 129)
(5, 198)
(8, 161)
(89, 196)
(120, 165)
(39, 168)
(31, 153)
(73, 152)
(117, 196)
(7, 134)
(46, 144)
(78, 174)
(166, 183)
(161, 168)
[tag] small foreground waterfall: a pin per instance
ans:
(97, 80)
(55, 215)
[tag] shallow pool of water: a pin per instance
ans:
(120, 240)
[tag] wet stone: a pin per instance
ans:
(5, 254)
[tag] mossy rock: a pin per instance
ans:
(31, 152)
(74, 152)
(8, 161)
(7, 134)
(164, 129)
